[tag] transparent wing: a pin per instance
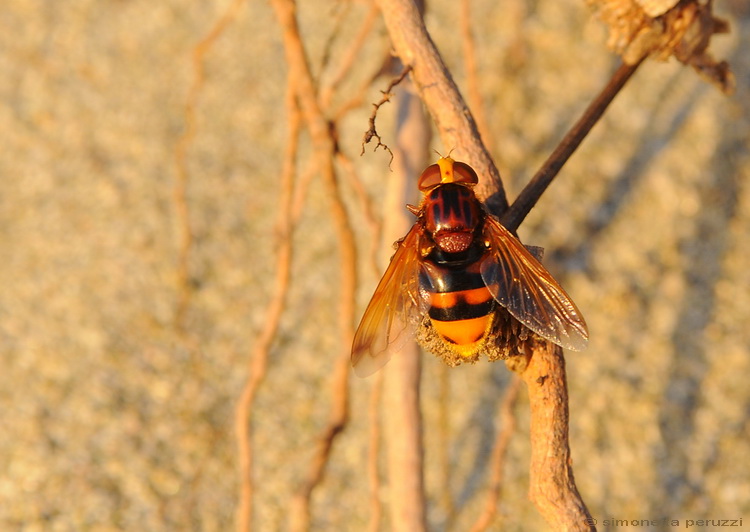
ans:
(528, 291)
(394, 311)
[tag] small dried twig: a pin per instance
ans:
(357, 98)
(531, 193)
(372, 132)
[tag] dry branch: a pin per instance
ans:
(551, 484)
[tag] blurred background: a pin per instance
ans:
(117, 415)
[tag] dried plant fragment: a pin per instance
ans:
(664, 28)
(372, 132)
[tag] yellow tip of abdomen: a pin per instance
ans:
(465, 337)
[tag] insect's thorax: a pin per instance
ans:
(452, 215)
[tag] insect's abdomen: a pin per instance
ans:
(461, 307)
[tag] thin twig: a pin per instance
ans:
(531, 193)
(372, 131)
(499, 452)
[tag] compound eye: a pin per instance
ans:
(465, 173)
(430, 178)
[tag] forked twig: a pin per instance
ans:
(324, 149)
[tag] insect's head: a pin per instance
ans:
(446, 170)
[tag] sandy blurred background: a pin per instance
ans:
(115, 419)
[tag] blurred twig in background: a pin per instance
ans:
(402, 380)
(507, 425)
(258, 363)
(180, 191)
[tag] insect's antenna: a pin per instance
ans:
(444, 156)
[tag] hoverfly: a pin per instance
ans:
(463, 284)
